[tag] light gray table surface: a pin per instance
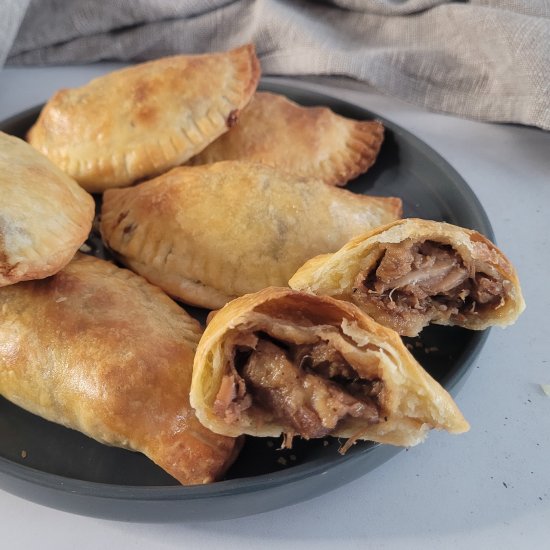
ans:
(489, 488)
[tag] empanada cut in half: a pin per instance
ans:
(141, 121)
(45, 216)
(414, 272)
(287, 362)
(98, 349)
(206, 234)
(309, 141)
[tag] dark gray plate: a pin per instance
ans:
(64, 469)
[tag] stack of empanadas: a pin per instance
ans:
(218, 196)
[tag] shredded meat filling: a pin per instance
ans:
(308, 388)
(426, 281)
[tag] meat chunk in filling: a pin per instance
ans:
(420, 282)
(309, 389)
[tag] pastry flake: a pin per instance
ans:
(207, 234)
(143, 120)
(414, 272)
(308, 141)
(286, 362)
(98, 349)
(44, 214)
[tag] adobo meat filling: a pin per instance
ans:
(308, 388)
(429, 278)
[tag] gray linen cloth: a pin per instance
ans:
(483, 59)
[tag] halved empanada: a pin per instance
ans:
(44, 215)
(282, 361)
(142, 120)
(206, 234)
(415, 272)
(308, 141)
(98, 349)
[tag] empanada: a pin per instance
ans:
(98, 349)
(143, 120)
(282, 361)
(414, 272)
(44, 214)
(207, 234)
(308, 141)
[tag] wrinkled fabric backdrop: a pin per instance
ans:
(483, 59)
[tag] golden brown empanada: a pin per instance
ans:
(308, 141)
(207, 234)
(414, 272)
(98, 349)
(142, 120)
(44, 215)
(282, 361)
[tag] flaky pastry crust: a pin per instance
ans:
(141, 121)
(98, 349)
(344, 274)
(207, 234)
(44, 214)
(409, 402)
(309, 141)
